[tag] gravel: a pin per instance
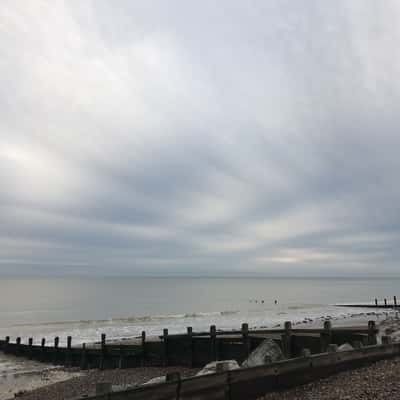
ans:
(379, 381)
(86, 384)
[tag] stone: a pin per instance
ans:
(267, 352)
(386, 339)
(218, 366)
(345, 347)
(305, 353)
(20, 393)
(157, 379)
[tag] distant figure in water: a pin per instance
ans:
(276, 301)
(262, 301)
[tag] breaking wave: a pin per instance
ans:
(134, 319)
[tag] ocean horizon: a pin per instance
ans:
(84, 307)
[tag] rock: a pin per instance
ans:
(268, 351)
(305, 353)
(20, 393)
(395, 336)
(157, 379)
(218, 366)
(345, 347)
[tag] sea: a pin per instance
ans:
(122, 307)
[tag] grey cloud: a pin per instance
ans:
(199, 138)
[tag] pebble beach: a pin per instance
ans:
(377, 381)
(85, 384)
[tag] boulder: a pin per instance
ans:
(218, 366)
(157, 379)
(267, 352)
(345, 347)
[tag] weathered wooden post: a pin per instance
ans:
(121, 363)
(395, 301)
(30, 344)
(165, 343)
(326, 336)
(246, 339)
(332, 348)
(102, 362)
(143, 348)
(213, 343)
(83, 363)
(55, 356)
(18, 346)
(386, 340)
(189, 331)
(173, 377)
(42, 348)
(371, 333)
(7, 342)
(68, 354)
(287, 340)
(376, 302)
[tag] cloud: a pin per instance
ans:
(185, 138)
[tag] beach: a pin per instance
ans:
(84, 382)
(379, 381)
(123, 308)
(62, 383)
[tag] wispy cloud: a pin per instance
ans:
(199, 138)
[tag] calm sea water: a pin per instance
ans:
(121, 307)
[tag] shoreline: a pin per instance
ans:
(55, 380)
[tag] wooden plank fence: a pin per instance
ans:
(251, 383)
(193, 349)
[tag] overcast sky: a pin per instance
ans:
(200, 137)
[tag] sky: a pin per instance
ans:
(228, 138)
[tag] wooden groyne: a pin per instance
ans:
(252, 383)
(194, 349)
(376, 304)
